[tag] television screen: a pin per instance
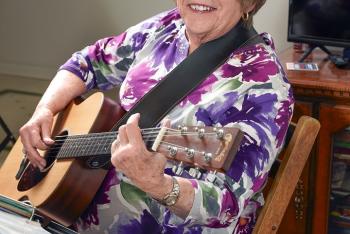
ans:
(319, 22)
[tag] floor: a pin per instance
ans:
(18, 98)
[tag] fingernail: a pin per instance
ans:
(48, 140)
(133, 117)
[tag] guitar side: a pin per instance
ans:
(68, 188)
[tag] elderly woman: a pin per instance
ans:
(249, 91)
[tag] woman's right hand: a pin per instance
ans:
(36, 135)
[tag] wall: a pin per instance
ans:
(36, 36)
(273, 18)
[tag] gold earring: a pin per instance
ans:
(245, 16)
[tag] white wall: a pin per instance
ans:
(36, 36)
(273, 18)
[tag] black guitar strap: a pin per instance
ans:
(182, 80)
(185, 77)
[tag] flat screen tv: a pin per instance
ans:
(319, 23)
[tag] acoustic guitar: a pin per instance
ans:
(65, 188)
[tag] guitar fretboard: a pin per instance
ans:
(88, 145)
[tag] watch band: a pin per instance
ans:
(171, 198)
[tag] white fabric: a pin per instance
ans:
(13, 224)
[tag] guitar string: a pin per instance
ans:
(155, 134)
(145, 130)
(104, 135)
(161, 142)
(88, 144)
(113, 136)
(82, 148)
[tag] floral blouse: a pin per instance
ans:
(249, 91)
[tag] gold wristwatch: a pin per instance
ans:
(171, 198)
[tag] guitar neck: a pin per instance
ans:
(88, 145)
(207, 147)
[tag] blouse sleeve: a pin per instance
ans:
(104, 64)
(263, 112)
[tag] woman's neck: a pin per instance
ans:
(195, 39)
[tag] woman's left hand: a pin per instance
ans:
(131, 157)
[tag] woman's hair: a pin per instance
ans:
(257, 5)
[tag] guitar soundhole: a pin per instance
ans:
(32, 176)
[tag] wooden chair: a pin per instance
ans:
(288, 173)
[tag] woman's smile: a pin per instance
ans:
(207, 20)
(200, 8)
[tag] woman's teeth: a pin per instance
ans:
(201, 8)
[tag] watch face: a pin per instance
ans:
(171, 200)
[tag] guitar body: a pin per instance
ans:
(70, 185)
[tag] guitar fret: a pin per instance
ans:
(98, 146)
(93, 146)
(62, 153)
(88, 145)
(75, 149)
(102, 143)
(82, 146)
(82, 149)
(104, 146)
(85, 146)
(68, 147)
